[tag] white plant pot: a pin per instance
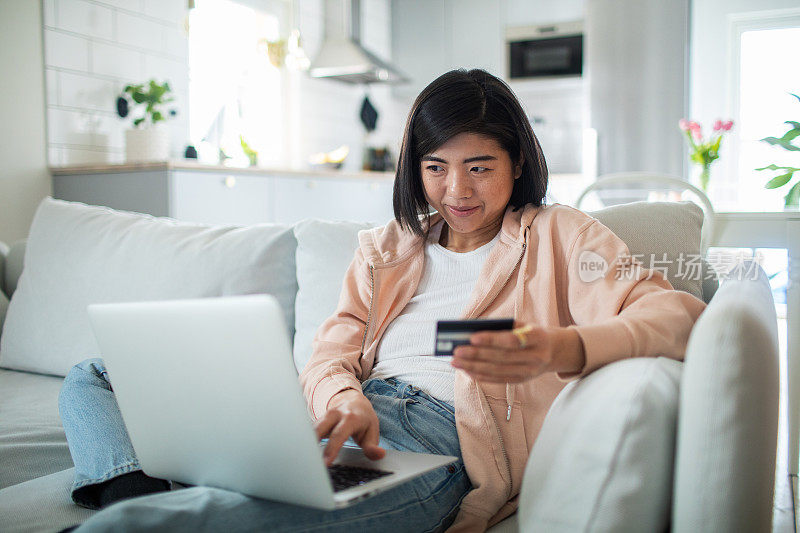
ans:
(147, 144)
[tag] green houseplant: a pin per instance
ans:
(787, 142)
(148, 140)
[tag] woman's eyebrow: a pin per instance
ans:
(467, 160)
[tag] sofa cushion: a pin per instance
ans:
(727, 432)
(32, 441)
(79, 254)
(41, 504)
(603, 460)
(324, 251)
(641, 226)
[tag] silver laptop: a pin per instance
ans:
(210, 396)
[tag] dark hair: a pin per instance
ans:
(462, 101)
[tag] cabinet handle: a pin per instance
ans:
(230, 182)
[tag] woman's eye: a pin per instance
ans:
(478, 169)
(434, 168)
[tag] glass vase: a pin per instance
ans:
(701, 178)
(705, 177)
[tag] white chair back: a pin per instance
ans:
(648, 187)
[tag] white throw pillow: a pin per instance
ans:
(641, 226)
(78, 254)
(727, 432)
(324, 251)
(603, 460)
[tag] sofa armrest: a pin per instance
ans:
(3, 298)
(3, 254)
(13, 264)
(728, 423)
(605, 455)
(12, 259)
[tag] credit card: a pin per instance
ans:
(452, 333)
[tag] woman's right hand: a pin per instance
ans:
(350, 414)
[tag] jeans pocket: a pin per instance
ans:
(433, 405)
(422, 427)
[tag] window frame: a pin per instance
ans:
(739, 23)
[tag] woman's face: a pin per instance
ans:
(469, 180)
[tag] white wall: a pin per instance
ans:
(711, 73)
(24, 179)
(92, 49)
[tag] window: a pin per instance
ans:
(233, 88)
(765, 59)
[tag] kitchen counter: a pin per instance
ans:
(186, 164)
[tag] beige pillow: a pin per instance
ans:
(654, 229)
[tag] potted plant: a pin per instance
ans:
(787, 142)
(148, 140)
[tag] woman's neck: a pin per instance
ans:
(462, 243)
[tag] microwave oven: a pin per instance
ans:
(544, 51)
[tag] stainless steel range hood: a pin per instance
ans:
(341, 56)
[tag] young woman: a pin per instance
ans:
(491, 249)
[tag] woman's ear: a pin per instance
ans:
(518, 166)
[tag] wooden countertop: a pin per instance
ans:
(185, 164)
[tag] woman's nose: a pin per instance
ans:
(459, 184)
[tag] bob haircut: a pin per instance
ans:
(462, 101)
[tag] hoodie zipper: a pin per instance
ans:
(509, 400)
(494, 418)
(508, 418)
(369, 313)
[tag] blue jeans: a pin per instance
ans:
(410, 420)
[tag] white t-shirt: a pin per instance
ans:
(406, 349)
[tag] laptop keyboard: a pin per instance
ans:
(345, 476)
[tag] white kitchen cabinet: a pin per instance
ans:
(218, 195)
(220, 198)
(342, 199)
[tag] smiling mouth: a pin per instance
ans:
(462, 211)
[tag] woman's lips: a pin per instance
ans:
(462, 212)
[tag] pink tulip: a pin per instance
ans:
(697, 134)
(727, 125)
(683, 124)
(694, 126)
(718, 125)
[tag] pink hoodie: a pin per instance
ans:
(538, 274)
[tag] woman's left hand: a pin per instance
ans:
(497, 356)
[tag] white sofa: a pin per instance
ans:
(639, 445)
